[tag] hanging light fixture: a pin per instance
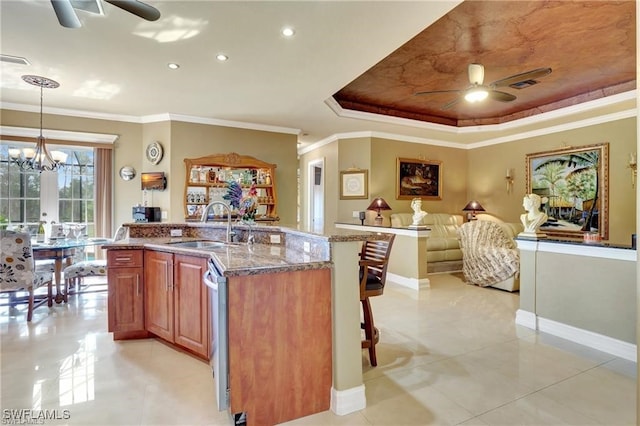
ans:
(38, 158)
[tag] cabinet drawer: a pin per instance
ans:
(124, 258)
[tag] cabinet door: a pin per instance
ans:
(126, 302)
(191, 308)
(158, 289)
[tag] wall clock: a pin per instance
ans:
(154, 152)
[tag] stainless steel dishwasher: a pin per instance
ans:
(219, 357)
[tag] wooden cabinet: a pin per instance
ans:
(158, 288)
(191, 304)
(207, 177)
(280, 348)
(176, 300)
(125, 304)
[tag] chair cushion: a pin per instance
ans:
(41, 278)
(85, 269)
(373, 282)
(45, 266)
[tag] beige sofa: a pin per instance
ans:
(443, 246)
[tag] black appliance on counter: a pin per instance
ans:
(146, 214)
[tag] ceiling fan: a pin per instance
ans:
(66, 14)
(477, 91)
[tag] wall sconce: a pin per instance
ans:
(633, 165)
(509, 178)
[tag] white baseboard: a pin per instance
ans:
(348, 401)
(587, 338)
(526, 319)
(412, 283)
(590, 339)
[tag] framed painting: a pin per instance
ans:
(418, 178)
(354, 184)
(574, 186)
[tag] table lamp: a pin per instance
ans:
(473, 207)
(376, 205)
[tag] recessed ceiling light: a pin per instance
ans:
(288, 32)
(173, 66)
(221, 57)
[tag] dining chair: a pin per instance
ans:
(18, 271)
(77, 271)
(374, 260)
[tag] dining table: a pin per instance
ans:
(62, 251)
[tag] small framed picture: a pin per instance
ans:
(354, 184)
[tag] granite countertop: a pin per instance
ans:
(332, 234)
(233, 259)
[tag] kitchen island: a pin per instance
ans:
(288, 357)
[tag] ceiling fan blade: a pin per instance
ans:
(450, 104)
(65, 13)
(476, 74)
(138, 8)
(497, 95)
(432, 92)
(517, 78)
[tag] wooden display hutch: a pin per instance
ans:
(206, 181)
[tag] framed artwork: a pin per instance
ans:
(418, 178)
(354, 184)
(574, 186)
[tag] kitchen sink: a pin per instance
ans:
(200, 244)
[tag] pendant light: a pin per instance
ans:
(38, 158)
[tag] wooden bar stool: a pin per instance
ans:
(374, 259)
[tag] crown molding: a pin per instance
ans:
(71, 112)
(151, 118)
(223, 123)
(28, 132)
(478, 130)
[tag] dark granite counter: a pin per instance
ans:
(233, 259)
(277, 248)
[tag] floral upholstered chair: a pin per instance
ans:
(74, 273)
(17, 269)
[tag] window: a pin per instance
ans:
(66, 195)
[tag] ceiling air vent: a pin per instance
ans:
(14, 60)
(523, 84)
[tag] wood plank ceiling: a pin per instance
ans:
(589, 45)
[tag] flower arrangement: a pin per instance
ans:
(247, 206)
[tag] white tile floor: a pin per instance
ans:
(450, 355)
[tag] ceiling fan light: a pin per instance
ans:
(476, 95)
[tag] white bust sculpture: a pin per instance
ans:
(418, 213)
(533, 218)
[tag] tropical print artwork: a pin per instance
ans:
(573, 184)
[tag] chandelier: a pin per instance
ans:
(38, 158)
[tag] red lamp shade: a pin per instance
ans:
(376, 205)
(473, 207)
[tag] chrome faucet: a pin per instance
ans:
(205, 215)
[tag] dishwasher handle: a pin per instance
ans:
(211, 280)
